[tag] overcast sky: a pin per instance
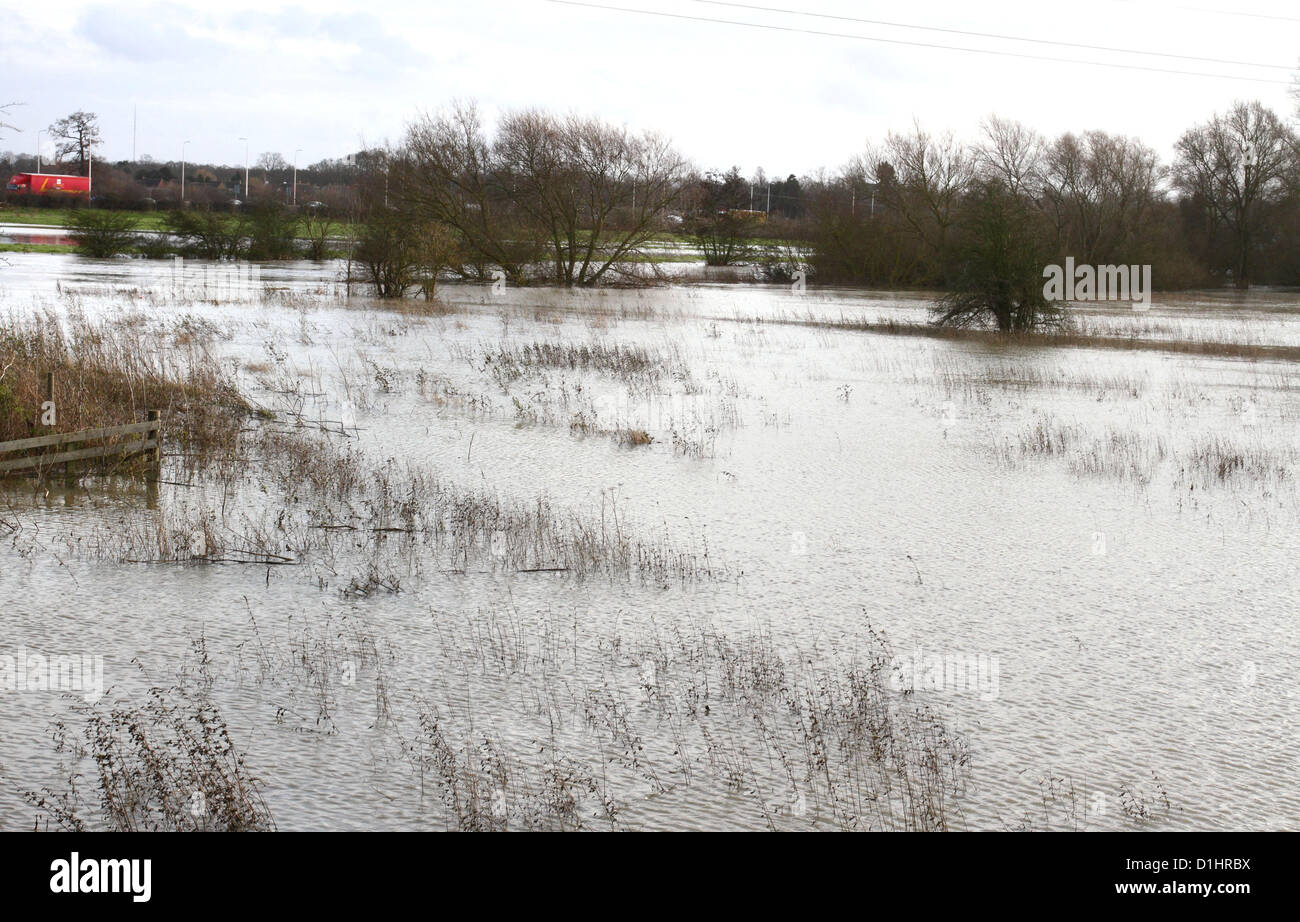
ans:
(330, 76)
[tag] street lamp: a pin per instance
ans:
(295, 176)
(245, 140)
(183, 143)
(38, 149)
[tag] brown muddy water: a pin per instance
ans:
(1106, 538)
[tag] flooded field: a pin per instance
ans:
(690, 557)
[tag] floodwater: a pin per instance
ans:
(1136, 618)
(35, 234)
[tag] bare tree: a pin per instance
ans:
(1232, 165)
(927, 176)
(270, 160)
(1011, 153)
(447, 171)
(76, 136)
(597, 190)
(722, 227)
(1100, 191)
(398, 249)
(317, 225)
(587, 194)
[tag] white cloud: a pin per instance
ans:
(326, 76)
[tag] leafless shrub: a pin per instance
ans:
(168, 764)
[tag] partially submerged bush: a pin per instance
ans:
(998, 279)
(101, 233)
(398, 253)
(726, 238)
(207, 234)
(271, 232)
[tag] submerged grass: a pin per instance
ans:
(1078, 338)
(324, 494)
(1139, 454)
(791, 738)
(338, 511)
(638, 367)
(514, 721)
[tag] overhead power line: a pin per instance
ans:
(898, 41)
(1203, 9)
(998, 35)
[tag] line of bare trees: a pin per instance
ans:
(578, 201)
(1227, 209)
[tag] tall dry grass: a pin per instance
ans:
(110, 373)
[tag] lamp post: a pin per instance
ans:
(38, 148)
(245, 140)
(295, 176)
(183, 143)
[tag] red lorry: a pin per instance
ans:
(49, 184)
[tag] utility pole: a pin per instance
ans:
(295, 176)
(183, 143)
(135, 124)
(38, 149)
(245, 140)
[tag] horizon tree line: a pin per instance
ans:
(576, 200)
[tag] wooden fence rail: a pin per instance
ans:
(75, 449)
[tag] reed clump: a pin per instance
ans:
(484, 788)
(637, 366)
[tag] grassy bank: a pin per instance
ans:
(37, 248)
(1078, 339)
(143, 220)
(57, 217)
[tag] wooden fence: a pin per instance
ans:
(70, 447)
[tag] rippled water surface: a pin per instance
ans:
(1138, 607)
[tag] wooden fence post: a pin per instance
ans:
(70, 467)
(155, 457)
